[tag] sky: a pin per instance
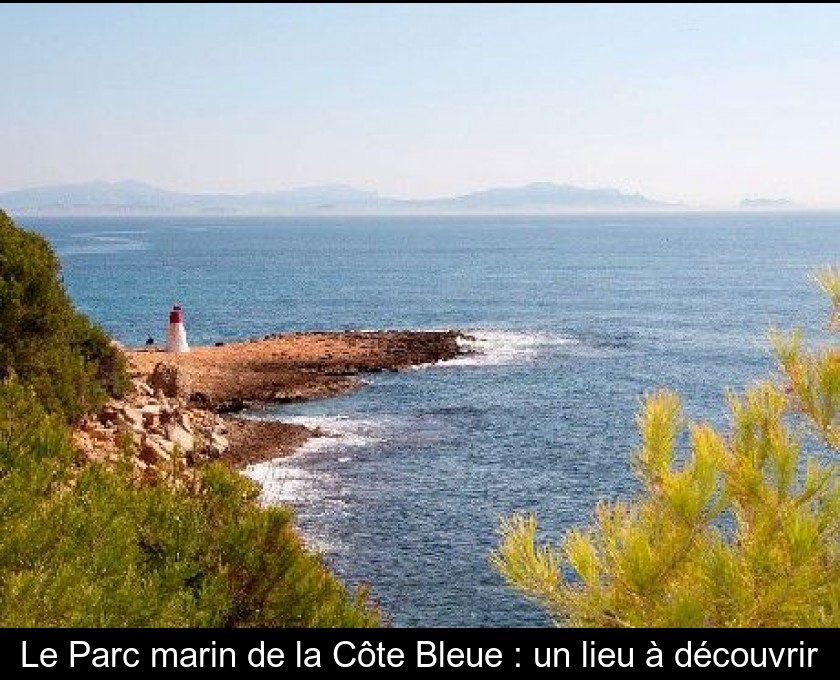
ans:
(701, 104)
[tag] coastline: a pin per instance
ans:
(215, 384)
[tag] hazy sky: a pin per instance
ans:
(699, 103)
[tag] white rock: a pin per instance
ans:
(133, 416)
(185, 421)
(142, 387)
(178, 435)
(166, 445)
(219, 442)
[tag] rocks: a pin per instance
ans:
(142, 387)
(108, 415)
(200, 399)
(171, 423)
(169, 379)
(180, 437)
(133, 416)
(151, 452)
(233, 405)
(218, 445)
(100, 433)
(184, 420)
(290, 366)
(167, 436)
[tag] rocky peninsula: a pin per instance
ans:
(186, 407)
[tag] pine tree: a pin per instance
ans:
(93, 547)
(44, 341)
(745, 532)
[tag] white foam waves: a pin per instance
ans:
(106, 243)
(310, 478)
(339, 431)
(294, 480)
(504, 347)
(283, 483)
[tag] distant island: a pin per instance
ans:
(770, 204)
(132, 197)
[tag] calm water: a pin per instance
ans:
(576, 318)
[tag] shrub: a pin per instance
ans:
(91, 547)
(44, 341)
(746, 532)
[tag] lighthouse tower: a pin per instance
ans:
(176, 336)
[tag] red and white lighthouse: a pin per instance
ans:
(176, 336)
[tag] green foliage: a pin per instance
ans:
(92, 548)
(44, 341)
(745, 532)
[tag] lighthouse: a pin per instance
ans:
(176, 336)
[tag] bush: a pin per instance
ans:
(745, 533)
(91, 548)
(44, 341)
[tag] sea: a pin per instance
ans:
(574, 320)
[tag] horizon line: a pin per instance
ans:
(594, 212)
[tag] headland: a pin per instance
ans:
(194, 400)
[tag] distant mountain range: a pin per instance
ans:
(131, 197)
(770, 204)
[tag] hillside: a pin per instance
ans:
(131, 197)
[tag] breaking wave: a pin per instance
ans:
(502, 347)
(104, 243)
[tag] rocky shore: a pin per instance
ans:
(182, 409)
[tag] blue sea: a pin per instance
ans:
(574, 319)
